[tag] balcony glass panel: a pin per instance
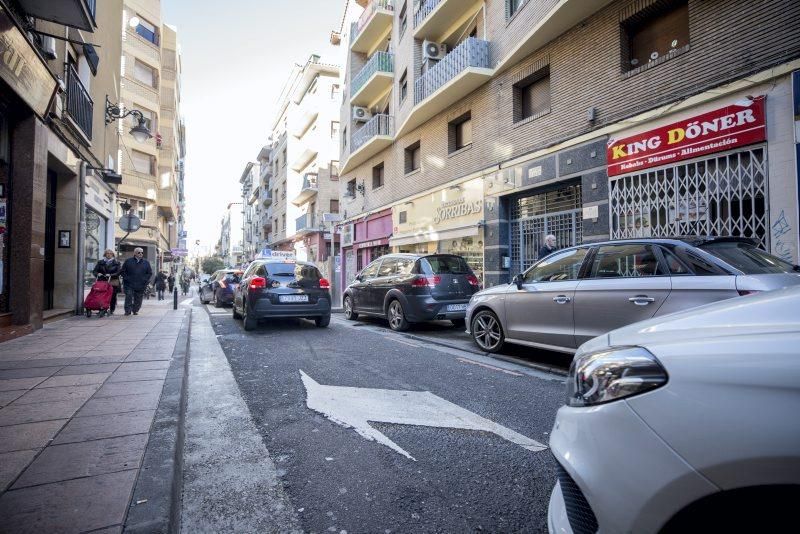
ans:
(471, 53)
(423, 9)
(378, 125)
(358, 28)
(379, 62)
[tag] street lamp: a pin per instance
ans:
(140, 132)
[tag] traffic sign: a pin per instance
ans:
(129, 223)
(179, 251)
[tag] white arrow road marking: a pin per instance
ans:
(356, 407)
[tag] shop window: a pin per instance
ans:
(147, 30)
(459, 132)
(403, 20)
(144, 163)
(334, 207)
(655, 34)
(403, 84)
(377, 176)
(412, 154)
(334, 170)
(144, 73)
(532, 95)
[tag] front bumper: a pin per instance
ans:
(630, 479)
(263, 308)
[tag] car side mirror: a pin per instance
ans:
(518, 281)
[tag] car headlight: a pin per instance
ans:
(611, 374)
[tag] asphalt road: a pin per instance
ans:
(336, 480)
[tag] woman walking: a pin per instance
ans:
(109, 267)
(161, 284)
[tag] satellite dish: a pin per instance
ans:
(133, 22)
(129, 223)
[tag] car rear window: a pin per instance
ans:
(233, 278)
(747, 258)
(445, 265)
(297, 270)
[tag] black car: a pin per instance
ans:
(282, 288)
(219, 287)
(410, 288)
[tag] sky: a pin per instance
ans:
(237, 55)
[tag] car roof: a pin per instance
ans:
(275, 260)
(692, 240)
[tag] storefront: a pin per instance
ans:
(446, 221)
(364, 240)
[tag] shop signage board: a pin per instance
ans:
(179, 252)
(452, 207)
(739, 124)
(22, 69)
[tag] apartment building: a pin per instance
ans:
(152, 168)
(58, 157)
(305, 161)
(265, 166)
(252, 208)
(230, 246)
(478, 127)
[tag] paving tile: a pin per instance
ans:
(129, 388)
(131, 376)
(142, 366)
(66, 393)
(102, 358)
(64, 462)
(116, 529)
(28, 435)
(72, 506)
(12, 464)
(120, 404)
(28, 373)
(42, 411)
(46, 362)
(74, 380)
(105, 426)
(148, 356)
(87, 369)
(7, 397)
(20, 383)
(45, 355)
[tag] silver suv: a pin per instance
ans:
(582, 292)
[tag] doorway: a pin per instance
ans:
(50, 241)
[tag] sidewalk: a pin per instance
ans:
(89, 414)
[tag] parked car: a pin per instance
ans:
(219, 287)
(410, 288)
(282, 288)
(684, 421)
(581, 292)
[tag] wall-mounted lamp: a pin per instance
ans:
(140, 132)
(110, 176)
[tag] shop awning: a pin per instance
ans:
(441, 235)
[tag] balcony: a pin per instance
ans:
(373, 27)
(74, 13)
(79, 104)
(266, 197)
(165, 201)
(308, 190)
(304, 114)
(305, 157)
(374, 136)
(373, 81)
(434, 19)
(461, 71)
(305, 224)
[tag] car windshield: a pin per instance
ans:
(747, 258)
(445, 265)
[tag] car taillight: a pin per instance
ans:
(743, 292)
(324, 284)
(426, 281)
(258, 282)
(473, 280)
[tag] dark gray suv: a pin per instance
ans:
(410, 288)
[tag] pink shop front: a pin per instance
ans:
(364, 240)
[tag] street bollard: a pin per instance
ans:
(175, 298)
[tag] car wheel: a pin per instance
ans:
(397, 317)
(461, 323)
(323, 321)
(236, 315)
(349, 314)
(487, 331)
(249, 321)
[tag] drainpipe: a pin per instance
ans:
(81, 237)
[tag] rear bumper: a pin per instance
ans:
(425, 308)
(225, 298)
(263, 308)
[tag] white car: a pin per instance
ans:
(686, 420)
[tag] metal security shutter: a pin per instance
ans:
(725, 195)
(555, 212)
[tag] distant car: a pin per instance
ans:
(684, 421)
(410, 288)
(282, 288)
(581, 292)
(219, 287)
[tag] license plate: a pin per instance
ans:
(293, 298)
(456, 307)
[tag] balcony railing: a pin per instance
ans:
(266, 197)
(378, 125)
(357, 27)
(379, 62)
(305, 223)
(471, 53)
(308, 190)
(425, 8)
(79, 104)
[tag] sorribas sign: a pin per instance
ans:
(733, 126)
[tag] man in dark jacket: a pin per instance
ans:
(549, 246)
(136, 273)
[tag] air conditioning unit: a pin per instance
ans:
(431, 50)
(49, 47)
(361, 114)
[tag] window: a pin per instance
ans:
(141, 209)
(655, 32)
(149, 117)
(675, 265)
(512, 6)
(142, 162)
(334, 208)
(403, 217)
(283, 222)
(459, 132)
(377, 176)
(344, 139)
(334, 130)
(388, 267)
(625, 261)
(335, 91)
(283, 158)
(557, 267)
(351, 188)
(147, 30)
(413, 158)
(748, 258)
(144, 73)
(371, 271)
(532, 95)
(403, 20)
(403, 86)
(334, 170)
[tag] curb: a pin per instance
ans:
(159, 483)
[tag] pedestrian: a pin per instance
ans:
(171, 282)
(161, 284)
(549, 246)
(109, 267)
(136, 273)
